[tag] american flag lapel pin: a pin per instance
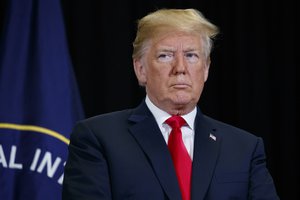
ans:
(212, 137)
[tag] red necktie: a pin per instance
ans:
(181, 159)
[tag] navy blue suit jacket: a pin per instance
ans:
(123, 155)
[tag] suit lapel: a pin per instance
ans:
(147, 134)
(206, 151)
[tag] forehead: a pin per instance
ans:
(177, 40)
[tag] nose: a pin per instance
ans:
(179, 65)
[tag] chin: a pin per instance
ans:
(181, 102)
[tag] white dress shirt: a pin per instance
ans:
(188, 131)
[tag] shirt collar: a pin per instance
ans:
(161, 116)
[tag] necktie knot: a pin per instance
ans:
(175, 121)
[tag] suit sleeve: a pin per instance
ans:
(86, 172)
(261, 182)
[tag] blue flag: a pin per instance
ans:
(39, 101)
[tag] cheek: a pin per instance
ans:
(199, 77)
(158, 73)
(203, 72)
(158, 81)
(206, 72)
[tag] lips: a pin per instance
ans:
(180, 85)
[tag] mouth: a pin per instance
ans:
(180, 86)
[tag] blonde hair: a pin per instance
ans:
(169, 20)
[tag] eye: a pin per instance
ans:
(165, 57)
(192, 57)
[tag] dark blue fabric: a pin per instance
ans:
(123, 155)
(39, 101)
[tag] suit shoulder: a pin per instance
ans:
(228, 129)
(112, 117)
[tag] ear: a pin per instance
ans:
(206, 70)
(140, 71)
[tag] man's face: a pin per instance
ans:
(173, 70)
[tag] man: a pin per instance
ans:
(144, 154)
